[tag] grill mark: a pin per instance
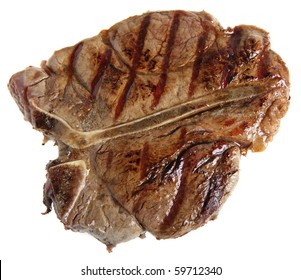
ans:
(217, 185)
(74, 56)
(212, 196)
(182, 167)
(197, 63)
(229, 72)
(135, 63)
(179, 197)
(163, 77)
(104, 62)
(72, 68)
(207, 199)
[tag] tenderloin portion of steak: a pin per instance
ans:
(151, 118)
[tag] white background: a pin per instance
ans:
(257, 234)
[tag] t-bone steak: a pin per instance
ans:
(151, 117)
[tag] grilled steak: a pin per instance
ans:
(151, 118)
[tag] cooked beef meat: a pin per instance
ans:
(151, 118)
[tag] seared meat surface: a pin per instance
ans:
(151, 118)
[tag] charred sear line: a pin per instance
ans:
(214, 193)
(74, 56)
(197, 62)
(170, 42)
(72, 71)
(218, 182)
(135, 63)
(104, 62)
(178, 199)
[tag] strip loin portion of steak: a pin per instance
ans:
(151, 118)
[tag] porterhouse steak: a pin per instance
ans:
(151, 118)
